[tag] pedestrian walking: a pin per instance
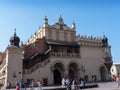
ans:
(32, 85)
(39, 85)
(17, 87)
(21, 85)
(67, 81)
(118, 81)
(25, 86)
(76, 85)
(9, 85)
(63, 82)
(69, 85)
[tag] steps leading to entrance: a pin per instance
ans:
(36, 66)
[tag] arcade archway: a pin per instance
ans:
(71, 74)
(58, 73)
(103, 73)
(73, 70)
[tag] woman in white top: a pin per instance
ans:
(63, 82)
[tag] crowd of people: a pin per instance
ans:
(75, 83)
(64, 82)
(23, 86)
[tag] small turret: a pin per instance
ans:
(73, 26)
(104, 41)
(14, 40)
(60, 21)
(45, 21)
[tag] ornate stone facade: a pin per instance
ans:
(54, 52)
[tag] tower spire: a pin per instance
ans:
(73, 25)
(15, 32)
(60, 21)
(14, 40)
(45, 21)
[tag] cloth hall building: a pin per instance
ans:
(55, 52)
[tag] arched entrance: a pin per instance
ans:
(71, 74)
(73, 70)
(58, 73)
(103, 73)
(57, 77)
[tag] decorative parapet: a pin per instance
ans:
(89, 41)
(89, 38)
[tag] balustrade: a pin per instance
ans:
(58, 54)
(55, 54)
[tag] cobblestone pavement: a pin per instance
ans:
(102, 86)
(105, 86)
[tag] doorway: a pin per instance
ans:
(57, 77)
(71, 74)
(103, 73)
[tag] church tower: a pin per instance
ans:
(14, 61)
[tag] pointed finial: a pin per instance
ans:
(60, 21)
(73, 22)
(60, 17)
(15, 32)
(45, 22)
(73, 25)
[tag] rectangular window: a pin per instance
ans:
(45, 81)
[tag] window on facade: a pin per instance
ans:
(72, 36)
(45, 81)
(50, 34)
(62, 49)
(69, 50)
(55, 50)
(65, 36)
(76, 50)
(57, 34)
(112, 70)
(61, 27)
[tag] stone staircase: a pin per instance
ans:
(36, 66)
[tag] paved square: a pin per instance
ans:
(105, 86)
(102, 86)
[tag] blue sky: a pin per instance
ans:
(92, 17)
